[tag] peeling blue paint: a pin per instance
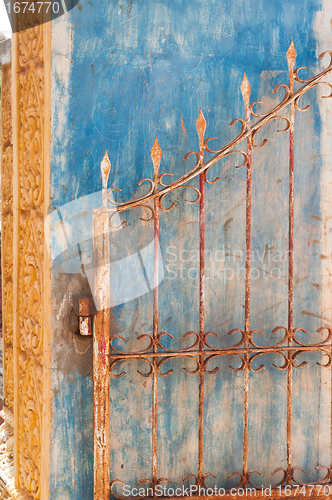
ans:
(138, 69)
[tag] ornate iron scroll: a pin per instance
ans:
(246, 132)
(247, 349)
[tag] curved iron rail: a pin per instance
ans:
(200, 166)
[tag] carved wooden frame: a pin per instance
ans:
(7, 231)
(31, 60)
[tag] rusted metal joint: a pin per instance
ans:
(85, 316)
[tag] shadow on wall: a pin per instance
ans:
(71, 251)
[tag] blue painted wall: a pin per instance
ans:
(123, 72)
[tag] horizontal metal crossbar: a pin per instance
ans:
(246, 356)
(219, 352)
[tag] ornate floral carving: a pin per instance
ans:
(31, 256)
(8, 490)
(9, 380)
(7, 240)
(6, 457)
(6, 429)
(30, 394)
(7, 312)
(31, 261)
(30, 85)
(31, 79)
(6, 140)
(7, 231)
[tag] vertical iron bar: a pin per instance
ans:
(291, 56)
(245, 89)
(156, 153)
(201, 126)
(201, 329)
(101, 345)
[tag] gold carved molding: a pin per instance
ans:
(31, 128)
(8, 488)
(7, 231)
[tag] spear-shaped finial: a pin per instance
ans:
(105, 168)
(201, 127)
(156, 153)
(291, 55)
(245, 91)
(245, 88)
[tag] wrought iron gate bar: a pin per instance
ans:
(247, 349)
(221, 352)
(101, 346)
(201, 127)
(245, 90)
(291, 56)
(156, 153)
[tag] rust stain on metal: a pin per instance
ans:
(105, 168)
(85, 325)
(85, 317)
(201, 126)
(291, 56)
(85, 306)
(236, 350)
(156, 154)
(102, 350)
(101, 345)
(245, 90)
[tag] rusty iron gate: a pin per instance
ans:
(107, 356)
